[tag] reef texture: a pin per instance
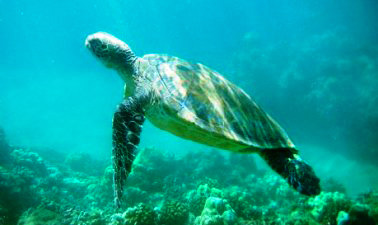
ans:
(201, 188)
(330, 77)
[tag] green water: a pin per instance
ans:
(313, 66)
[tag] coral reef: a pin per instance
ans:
(371, 200)
(141, 214)
(164, 190)
(40, 215)
(359, 214)
(326, 206)
(173, 213)
(19, 181)
(217, 211)
(328, 77)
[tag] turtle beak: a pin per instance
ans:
(87, 43)
(99, 47)
(93, 44)
(111, 51)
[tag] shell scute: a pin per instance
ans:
(214, 110)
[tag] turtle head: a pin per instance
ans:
(112, 52)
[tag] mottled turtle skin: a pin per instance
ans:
(195, 102)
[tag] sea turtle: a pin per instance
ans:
(192, 101)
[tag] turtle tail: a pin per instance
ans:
(294, 169)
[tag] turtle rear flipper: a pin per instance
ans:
(127, 126)
(295, 170)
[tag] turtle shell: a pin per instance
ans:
(195, 102)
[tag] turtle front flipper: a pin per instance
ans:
(294, 169)
(127, 126)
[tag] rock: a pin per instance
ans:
(342, 218)
(141, 214)
(173, 213)
(359, 214)
(40, 216)
(217, 211)
(326, 206)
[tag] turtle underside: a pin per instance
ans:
(194, 102)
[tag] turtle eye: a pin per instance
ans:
(103, 46)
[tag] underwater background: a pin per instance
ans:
(312, 65)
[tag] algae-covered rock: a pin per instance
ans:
(371, 199)
(173, 213)
(150, 169)
(17, 192)
(31, 186)
(134, 195)
(359, 214)
(242, 202)
(94, 217)
(298, 217)
(342, 218)
(141, 214)
(197, 198)
(23, 158)
(326, 206)
(117, 219)
(40, 216)
(217, 211)
(107, 178)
